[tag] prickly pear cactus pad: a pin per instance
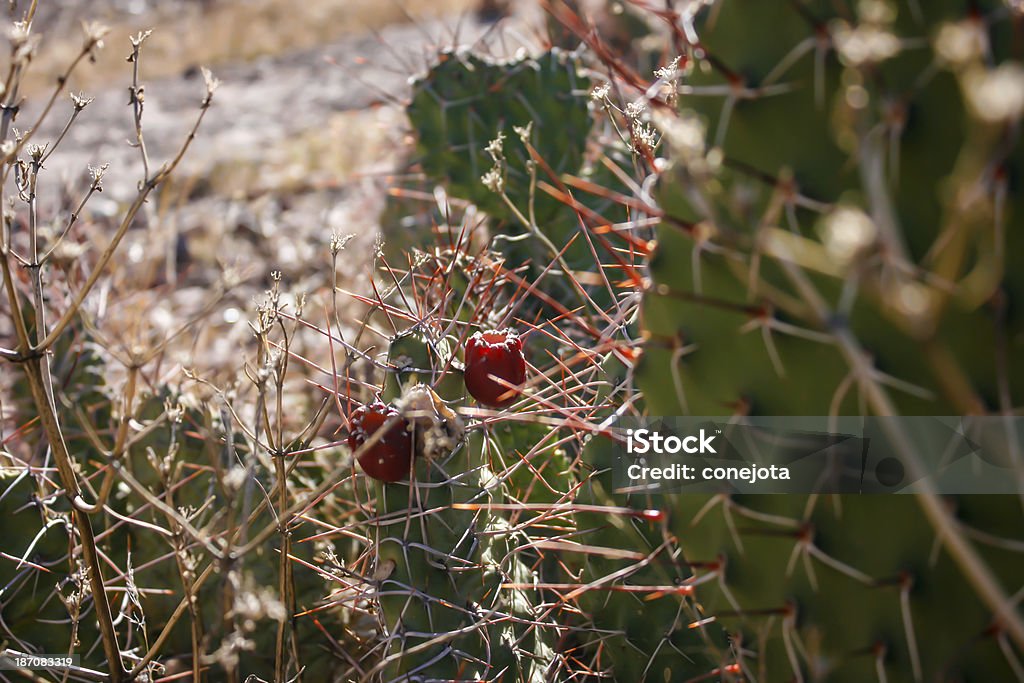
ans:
(466, 101)
(853, 183)
(501, 134)
(837, 239)
(453, 567)
(452, 589)
(641, 609)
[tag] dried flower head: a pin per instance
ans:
(494, 180)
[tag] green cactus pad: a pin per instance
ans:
(840, 246)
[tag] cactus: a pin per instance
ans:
(172, 457)
(445, 560)
(642, 621)
(451, 563)
(476, 121)
(803, 265)
(503, 557)
(611, 631)
(840, 245)
(466, 101)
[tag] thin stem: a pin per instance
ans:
(62, 458)
(94, 187)
(126, 222)
(137, 98)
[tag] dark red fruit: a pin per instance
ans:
(491, 354)
(388, 459)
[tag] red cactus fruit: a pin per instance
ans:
(389, 458)
(494, 354)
